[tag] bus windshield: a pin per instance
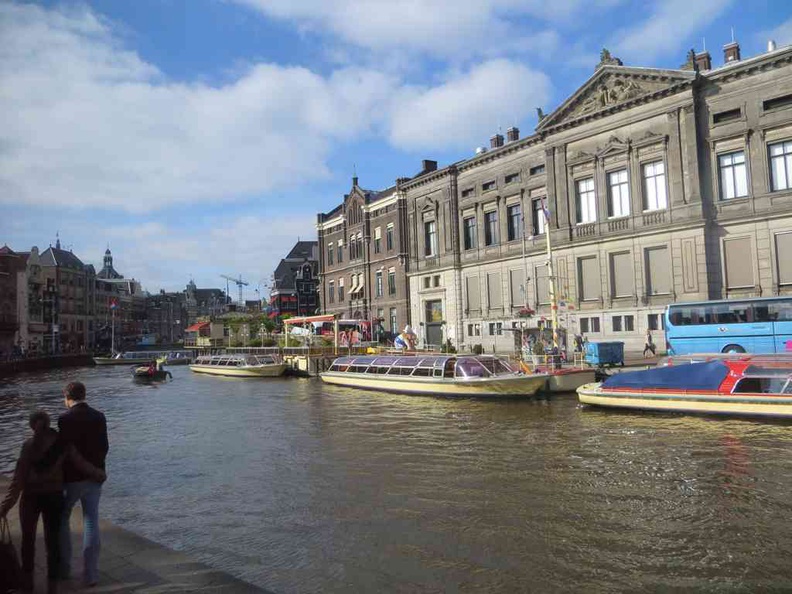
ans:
(760, 325)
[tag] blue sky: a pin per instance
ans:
(201, 137)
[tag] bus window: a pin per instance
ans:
(780, 311)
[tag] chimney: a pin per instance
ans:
(496, 141)
(427, 166)
(513, 134)
(703, 61)
(771, 45)
(731, 52)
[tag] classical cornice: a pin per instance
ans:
(750, 66)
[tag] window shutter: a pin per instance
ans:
(784, 257)
(589, 278)
(657, 271)
(517, 280)
(473, 293)
(494, 290)
(622, 275)
(738, 259)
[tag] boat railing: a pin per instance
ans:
(550, 362)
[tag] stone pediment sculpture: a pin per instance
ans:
(610, 93)
(607, 60)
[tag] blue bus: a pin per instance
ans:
(760, 325)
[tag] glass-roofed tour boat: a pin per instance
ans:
(437, 375)
(738, 385)
(240, 365)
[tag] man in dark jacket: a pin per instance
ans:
(86, 429)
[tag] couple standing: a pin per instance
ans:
(54, 471)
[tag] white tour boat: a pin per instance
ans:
(239, 365)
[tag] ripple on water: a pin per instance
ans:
(304, 488)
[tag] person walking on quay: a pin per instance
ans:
(649, 345)
(38, 477)
(86, 429)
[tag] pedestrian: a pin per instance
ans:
(86, 429)
(38, 477)
(649, 345)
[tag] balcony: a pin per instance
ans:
(622, 224)
(586, 230)
(657, 217)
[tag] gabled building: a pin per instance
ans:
(12, 277)
(295, 281)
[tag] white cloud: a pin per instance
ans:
(782, 34)
(443, 28)
(469, 108)
(84, 122)
(671, 23)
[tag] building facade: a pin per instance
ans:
(363, 259)
(661, 185)
(12, 279)
(294, 290)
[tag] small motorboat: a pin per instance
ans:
(154, 372)
(435, 375)
(744, 385)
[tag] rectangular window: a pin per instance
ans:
(389, 237)
(476, 329)
(512, 177)
(427, 281)
(378, 284)
(731, 115)
(539, 221)
(330, 249)
(487, 186)
(473, 293)
(595, 324)
(340, 289)
(469, 225)
(738, 261)
(652, 321)
(377, 240)
(733, 175)
(352, 247)
(393, 326)
(331, 292)
(494, 291)
(434, 311)
(629, 323)
(586, 201)
(436, 280)
(783, 250)
(589, 278)
(654, 179)
(470, 330)
(780, 165)
(616, 322)
(491, 227)
(658, 273)
(340, 251)
(492, 328)
(777, 103)
(430, 239)
(584, 326)
(618, 194)
(622, 275)
(392, 281)
(537, 170)
(514, 220)
(467, 192)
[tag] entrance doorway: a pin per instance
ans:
(434, 323)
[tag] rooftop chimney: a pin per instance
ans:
(771, 45)
(513, 134)
(427, 165)
(496, 140)
(731, 52)
(703, 61)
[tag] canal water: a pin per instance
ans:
(298, 487)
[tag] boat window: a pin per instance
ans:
(422, 372)
(787, 389)
(449, 368)
(760, 385)
(469, 367)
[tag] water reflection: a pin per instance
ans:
(300, 487)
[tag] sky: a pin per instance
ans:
(197, 138)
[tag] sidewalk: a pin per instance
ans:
(129, 563)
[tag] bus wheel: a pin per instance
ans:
(733, 348)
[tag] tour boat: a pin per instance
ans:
(140, 357)
(439, 375)
(745, 385)
(239, 365)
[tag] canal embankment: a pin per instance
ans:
(9, 368)
(130, 563)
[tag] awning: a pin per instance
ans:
(309, 319)
(197, 327)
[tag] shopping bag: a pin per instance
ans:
(10, 571)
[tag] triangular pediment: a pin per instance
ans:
(612, 88)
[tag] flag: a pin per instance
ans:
(114, 303)
(545, 210)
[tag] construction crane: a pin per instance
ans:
(239, 282)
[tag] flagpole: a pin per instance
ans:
(551, 279)
(112, 330)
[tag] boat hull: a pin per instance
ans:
(264, 371)
(569, 380)
(700, 402)
(517, 385)
(114, 361)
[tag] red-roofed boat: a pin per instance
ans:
(742, 385)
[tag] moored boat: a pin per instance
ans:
(748, 385)
(239, 365)
(141, 357)
(438, 375)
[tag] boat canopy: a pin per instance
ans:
(696, 376)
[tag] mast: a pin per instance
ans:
(551, 279)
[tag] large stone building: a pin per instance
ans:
(294, 290)
(363, 245)
(663, 185)
(12, 268)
